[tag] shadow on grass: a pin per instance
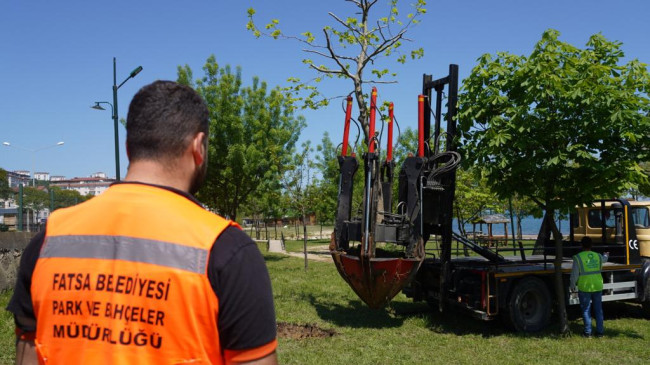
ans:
(274, 257)
(354, 314)
(453, 321)
(612, 311)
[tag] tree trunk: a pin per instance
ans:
(297, 227)
(304, 239)
(559, 283)
(266, 229)
(461, 230)
(275, 228)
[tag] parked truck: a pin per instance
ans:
(514, 284)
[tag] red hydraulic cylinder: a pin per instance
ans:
(389, 148)
(371, 132)
(421, 126)
(346, 131)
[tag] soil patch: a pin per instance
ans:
(300, 331)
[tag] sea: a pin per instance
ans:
(529, 226)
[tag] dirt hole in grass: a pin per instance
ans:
(300, 331)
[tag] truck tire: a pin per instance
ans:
(529, 306)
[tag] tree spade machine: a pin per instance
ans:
(424, 202)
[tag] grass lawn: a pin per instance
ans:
(7, 337)
(411, 333)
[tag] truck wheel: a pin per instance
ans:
(529, 306)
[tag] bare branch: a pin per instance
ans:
(329, 48)
(340, 21)
(322, 54)
(327, 70)
(380, 82)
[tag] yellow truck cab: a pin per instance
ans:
(619, 226)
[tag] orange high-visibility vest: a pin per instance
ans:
(122, 278)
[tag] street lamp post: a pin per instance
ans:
(33, 152)
(114, 112)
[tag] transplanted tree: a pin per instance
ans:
(352, 48)
(253, 131)
(562, 126)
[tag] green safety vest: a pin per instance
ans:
(590, 264)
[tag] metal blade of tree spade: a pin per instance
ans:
(376, 280)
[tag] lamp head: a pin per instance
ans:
(97, 106)
(135, 72)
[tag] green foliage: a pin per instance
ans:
(327, 164)
(562, 126)
(253, 131)
(473, 197)
(644, 185)
(351, 49)
(298, 182)
(35, 199)
(5, 190)
(66, 198)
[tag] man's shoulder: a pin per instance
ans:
(229, 243)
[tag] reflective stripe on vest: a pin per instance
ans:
(590, 265)
(128, 249)
(122, 278)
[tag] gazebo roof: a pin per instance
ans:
(491, 218)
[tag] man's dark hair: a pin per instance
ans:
(586, 243)
(163, 117)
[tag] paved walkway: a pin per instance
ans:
(315, 253)
(276, 246)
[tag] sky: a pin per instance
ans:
(56, 59)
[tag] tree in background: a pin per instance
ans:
(34, 199)
(327, 185)
(298, 186)
(5, 190)
(352, 48)
(253, 131)
(472, 198)
(522, 207)
(65, 198)
(561, 127)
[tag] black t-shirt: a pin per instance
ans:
(237, 274)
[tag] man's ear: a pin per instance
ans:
(199, 151)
